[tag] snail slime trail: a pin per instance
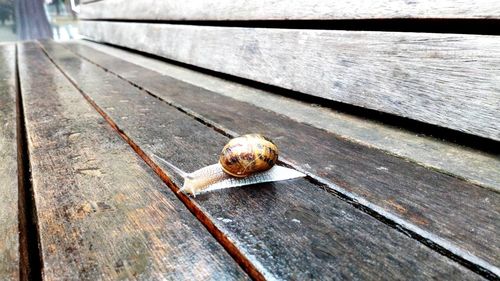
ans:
(245, 160)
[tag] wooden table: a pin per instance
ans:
(83, 198)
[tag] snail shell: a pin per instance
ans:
(245, 160)
(248, 154)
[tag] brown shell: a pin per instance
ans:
(247, 154)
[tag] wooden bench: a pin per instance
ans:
(378, 202)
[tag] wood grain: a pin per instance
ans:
(289, 230)
(463, 162)
(433, 202)
(9, 219)
(447, 80)
(102, 213)
(288, 10)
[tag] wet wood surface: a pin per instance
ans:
(449, 80)
(431, 201)
(289, 230)
(288, 10)
(9, 219)
(102, 213)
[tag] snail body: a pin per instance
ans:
(245, 160)
(213, 177)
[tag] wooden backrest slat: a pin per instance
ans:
(448, 80)
(288, 10)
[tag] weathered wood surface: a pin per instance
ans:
(433, 202)
(463, 162)
(286, 10)
(9, 219)
(289, 230)
(102, 213)
(447, 80)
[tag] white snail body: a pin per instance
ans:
(246, 160)
(213, 177)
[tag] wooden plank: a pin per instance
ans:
(102, 213)
(447, 80)
(287, 10)
(436, 205)
(290, 230)
(463, 162)
(9, 219)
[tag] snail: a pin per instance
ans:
(245, 160)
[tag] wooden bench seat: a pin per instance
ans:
(83, 198)
(418, 198)
(101, 211)
(260, 221)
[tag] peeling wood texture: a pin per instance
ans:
(286, 10)
(463, 162)
(433, 202)
(447, 80)
(9, 219)
(289, 230)
(102, 213)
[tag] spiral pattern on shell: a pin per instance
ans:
(248, 154)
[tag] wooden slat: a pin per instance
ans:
(432, 202)
(285, 10)
(102, 213)
(290, 230)
(463, 162)
(447, 80)
(9, 219)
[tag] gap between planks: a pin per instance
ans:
(432, 241)
(29, 239)
(421, 25)
(239, 257)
